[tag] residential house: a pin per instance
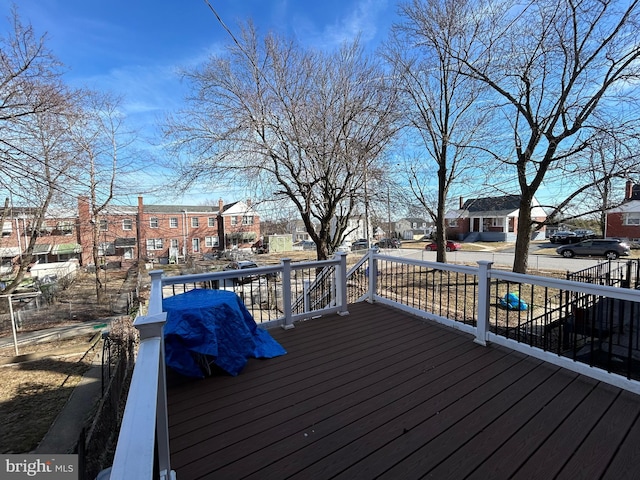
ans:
(490, 219)
(299, 231)
(624, 221)
(57, 237)
(163, 233)
(412, 228)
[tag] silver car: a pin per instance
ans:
(610, 248)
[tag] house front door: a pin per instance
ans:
(476, 225)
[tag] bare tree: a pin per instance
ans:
(301, 125)
(32, 102)
(439, 103)
(559, 71)
(42, 146)
(100, 136)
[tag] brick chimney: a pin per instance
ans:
(628, 190)
(461, 202)
(220, 206)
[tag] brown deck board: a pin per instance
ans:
(379, 393)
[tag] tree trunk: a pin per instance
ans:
(523, 240)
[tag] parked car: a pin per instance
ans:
(241, 265)
(449, 247)
(585, 234)
(360, 244)
(610, 248)
(564, 237)
(389, 243)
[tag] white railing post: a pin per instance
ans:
(286, 294)
(155, 297)
(341, 284)
(142, 423)
(373, 275)
(483, 301)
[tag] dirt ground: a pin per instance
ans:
(37, 384)
(35, 390)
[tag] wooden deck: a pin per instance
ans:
(381, 394)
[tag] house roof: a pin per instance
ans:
(630, 206)
(180, 208)
(507, 203)
(504, 206)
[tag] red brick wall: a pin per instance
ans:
(615, 227)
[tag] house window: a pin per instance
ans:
(195, 245)
(173, 222)
(211, 221)
(154, 244)
(127, 224)
(497, 222)
(174, 243)
(414, 225)
(234, 220)
(247, 220)
(452, 222)
(631, 218)
(211, 242)
(153, 222)
(103, 226)
(195, 222)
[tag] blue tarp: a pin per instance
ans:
(215, 325)
(511, 301)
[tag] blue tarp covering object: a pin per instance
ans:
(215, 324)
(511, 301)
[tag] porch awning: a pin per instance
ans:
(9, 252)
(125, 242)
(42, 249)
(66, 249)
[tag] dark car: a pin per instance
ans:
(240, 265)
(585, 234)
(449, 247)
(564, 237)
(390, 243)
(360, 244)
(610, 248)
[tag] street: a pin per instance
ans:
(536, 262)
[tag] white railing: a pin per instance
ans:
(485, 323)
(145, 422)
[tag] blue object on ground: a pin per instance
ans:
(511, 301)
(213, 324)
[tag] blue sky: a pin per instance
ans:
(135, 48)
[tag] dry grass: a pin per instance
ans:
(34, 391)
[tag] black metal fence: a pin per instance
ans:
(96, 444)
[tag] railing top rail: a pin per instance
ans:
(435, 265)
(219, 275)
(571, 285)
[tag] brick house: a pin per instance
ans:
(57, 238)
(169, 233)
(490, 219)
(128, 233)
(624, 220)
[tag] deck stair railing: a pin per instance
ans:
(613, 274)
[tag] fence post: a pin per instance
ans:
(484, 267)
(373, 275)
(155, 297)
(341, 284)
(152, 326)
(286, 293)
